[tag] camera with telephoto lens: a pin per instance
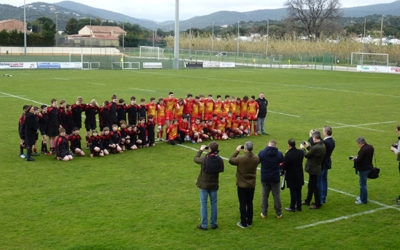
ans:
(351, 157)
(206, 148)
(242, 147)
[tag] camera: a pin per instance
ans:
(242, 147)
(206, 148)
(395, 145)
(303, 143)
(351, 157)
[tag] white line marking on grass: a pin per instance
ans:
(145, 90)
(61, 79)
(342, 218)
(343, 125)
(97, 83)
(22, 98)
(280, 113)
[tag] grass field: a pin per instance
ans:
(148, 198)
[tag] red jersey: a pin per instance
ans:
(151, 109)
(178, 111)
(221, 126)
(233, 107)
(210, 127)
(188, 107)
(236, 124)
(201, 108)
(253, 107)
(243, 107)
(195, 109)
(172, 132)
(226, 108)
(184, 126)
(209, 106)
(237, 109)
(170, 104)
(218, 108)
(246, 125)
(229, 122)
(194, 128)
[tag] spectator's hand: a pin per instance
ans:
(393, 149)
(354, 158)
(306, 145)
(301, 146)
(203, 147)
(239, 148)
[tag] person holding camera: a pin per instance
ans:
(315, 157)
(245, 181)
(395, 149)
(270, 159)
(208, 182)
(293, 165)
(363, 165)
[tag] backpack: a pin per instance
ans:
(213, 163)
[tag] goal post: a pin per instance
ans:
(125, 65)
(151, 52)
(361, 58)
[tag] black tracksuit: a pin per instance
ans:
(62, 147)
(77, 114)
(21, 126)
(90, 120)
(75, 142)
(150, 126)
(141, 130)
(43, 123)
(132, 114)
(121, 113)
(104, 117)
(95, 141)
(142, 111)
(112, 108)
(54, 121)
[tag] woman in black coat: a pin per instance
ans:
(31, 127)
(293, 165)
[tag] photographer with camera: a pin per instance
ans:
(293, 165)
(315, 157)
(208, 182)
(395, 149)
(245, 181)
(363, 165)
(270, 159)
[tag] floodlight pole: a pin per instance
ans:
(266, 50)
(176, 45)
(24, 28)
(238, 38)
(212, 40)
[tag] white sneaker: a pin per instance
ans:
(239, 224)
(359, 202)
(23, 156)
(358, 198)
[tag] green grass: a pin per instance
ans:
(148, 198)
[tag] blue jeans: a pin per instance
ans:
(213, 200)
(363, 185)
(323, 184)
(260, 125)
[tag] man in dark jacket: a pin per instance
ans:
(396, 151)
(31, 127)
(262, 113)
(293, 165)
(208, 184)
(326, 164)
(271, 159)
(245, 181)
(315, 157)
(363, 164)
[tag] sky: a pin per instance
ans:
(163, 10)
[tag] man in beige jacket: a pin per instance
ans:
(245, 181)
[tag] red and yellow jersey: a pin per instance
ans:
(201, 108)
(253, 107)
(188, 106)
(237, 111)
(236, 124)
(226, 108)
(160, 111)
(172, 131)
(194, 128)
(233, 107)
(243, 107)
(184, 126)
(218, 108)
(151, 109)
(246, 125)
(210, 127)
(178, 111)
(195, 109)
(209, 106)
(221, 126)
(229, 122)
(170, 104)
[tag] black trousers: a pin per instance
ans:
(295, 198)
(313, 190)
(246, 196)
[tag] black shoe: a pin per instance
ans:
(290, 210)
(304, 203)
(214, 227)
(30, 159)
(201, 228)
(298, 209)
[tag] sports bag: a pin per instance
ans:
(213, 163)
(374, 173)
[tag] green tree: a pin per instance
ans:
(72, 26)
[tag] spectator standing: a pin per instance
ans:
(270, 159)
(397, 152)
(208, 183)
(293, 166)
(363, 165)
(315, 157)
(262, 113)
(326, 164)
(245, 181)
